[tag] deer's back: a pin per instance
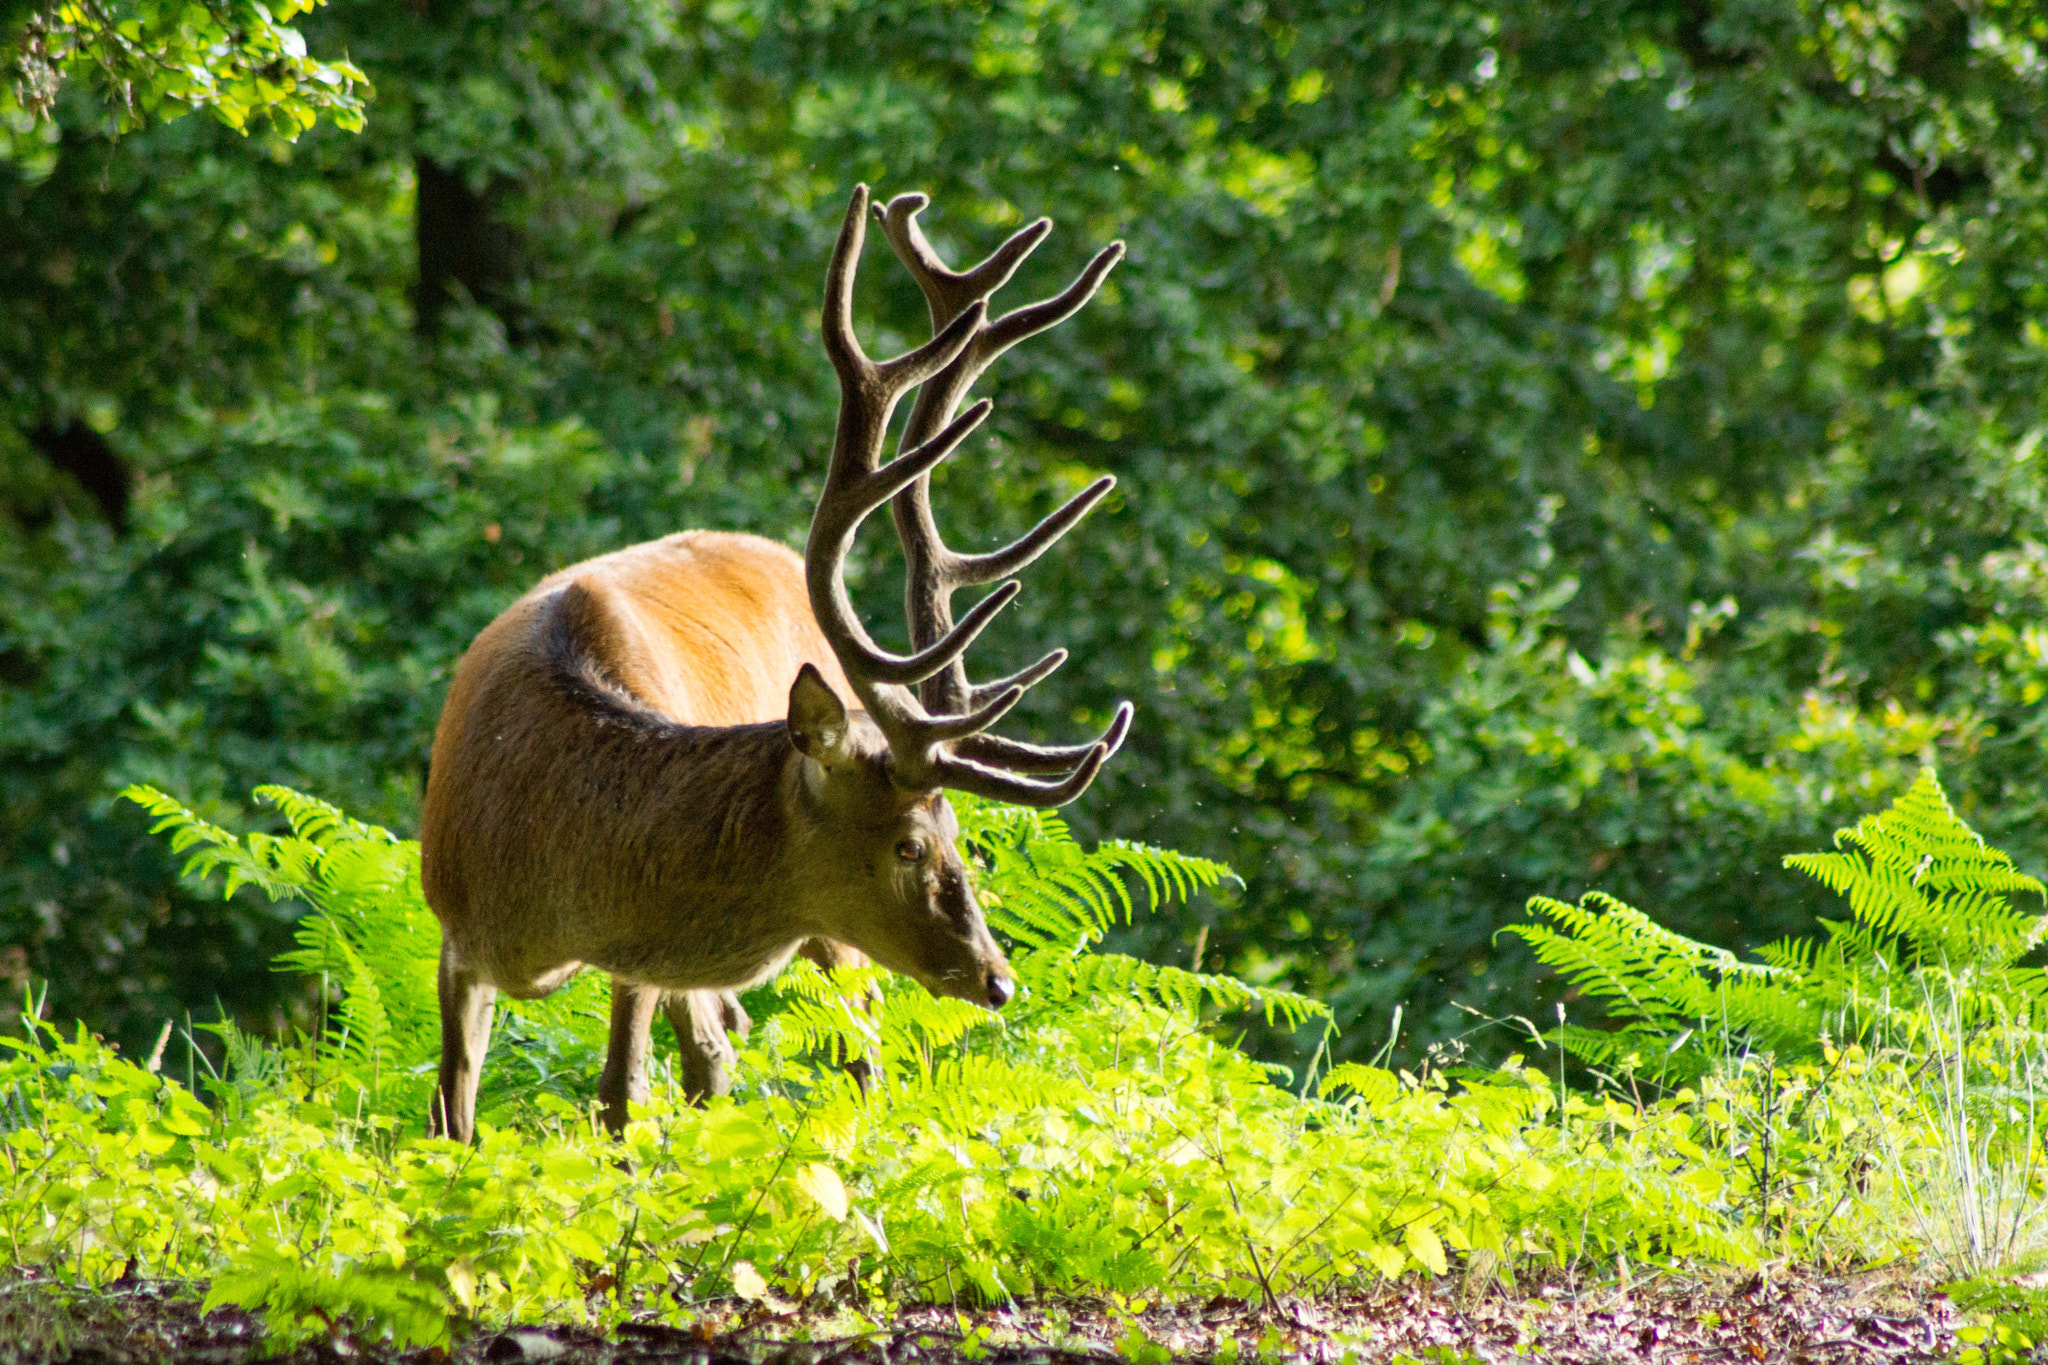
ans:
(708, 627)
(705, 628)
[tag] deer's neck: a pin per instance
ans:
(694, 823)
(702, 804)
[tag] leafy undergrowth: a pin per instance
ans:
(1096, 1143)
(1872, 1318)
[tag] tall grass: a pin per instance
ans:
(1968, 1174)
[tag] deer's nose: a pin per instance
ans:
(1000, 990)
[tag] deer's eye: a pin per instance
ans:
(911, 850)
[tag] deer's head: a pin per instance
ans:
(885, 858)
(878, 776)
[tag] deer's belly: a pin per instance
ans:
(675, 964)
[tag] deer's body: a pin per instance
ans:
(612, 764)
(646, 765)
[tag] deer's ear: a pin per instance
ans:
(817, 718)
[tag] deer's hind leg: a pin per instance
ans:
(701, 1020)
(466, 1005)
(624, 1080)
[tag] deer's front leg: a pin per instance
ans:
(625, 1060)
(701, 1019)
(466, 1005)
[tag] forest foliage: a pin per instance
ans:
(1560, 446)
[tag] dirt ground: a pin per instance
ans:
(1782, 1316)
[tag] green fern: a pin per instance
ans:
(1925, 891)
(1931, 912)
(867, 1013)
(1056, 900)
(372, 941)
(370, 936)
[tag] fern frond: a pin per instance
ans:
(1043, 889)
(319, 823)
(1615, 952)
(1793, 955)
(1062, 976)
(272, 866)
(1930, 910)
(1923, 886)
(369, 931)
(867, 1013)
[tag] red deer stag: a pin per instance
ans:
(626, 777)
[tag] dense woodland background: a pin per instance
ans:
(1561, 445)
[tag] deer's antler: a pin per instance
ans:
(938, 738)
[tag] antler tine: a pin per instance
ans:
(967, 570)
(1023, 677)
(840, 343)
(946, 290)
(943, 729)
(1016, 756)
(915, 668)
(1033, 318)
(907, 371)
(897, 475)
(962, 774)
